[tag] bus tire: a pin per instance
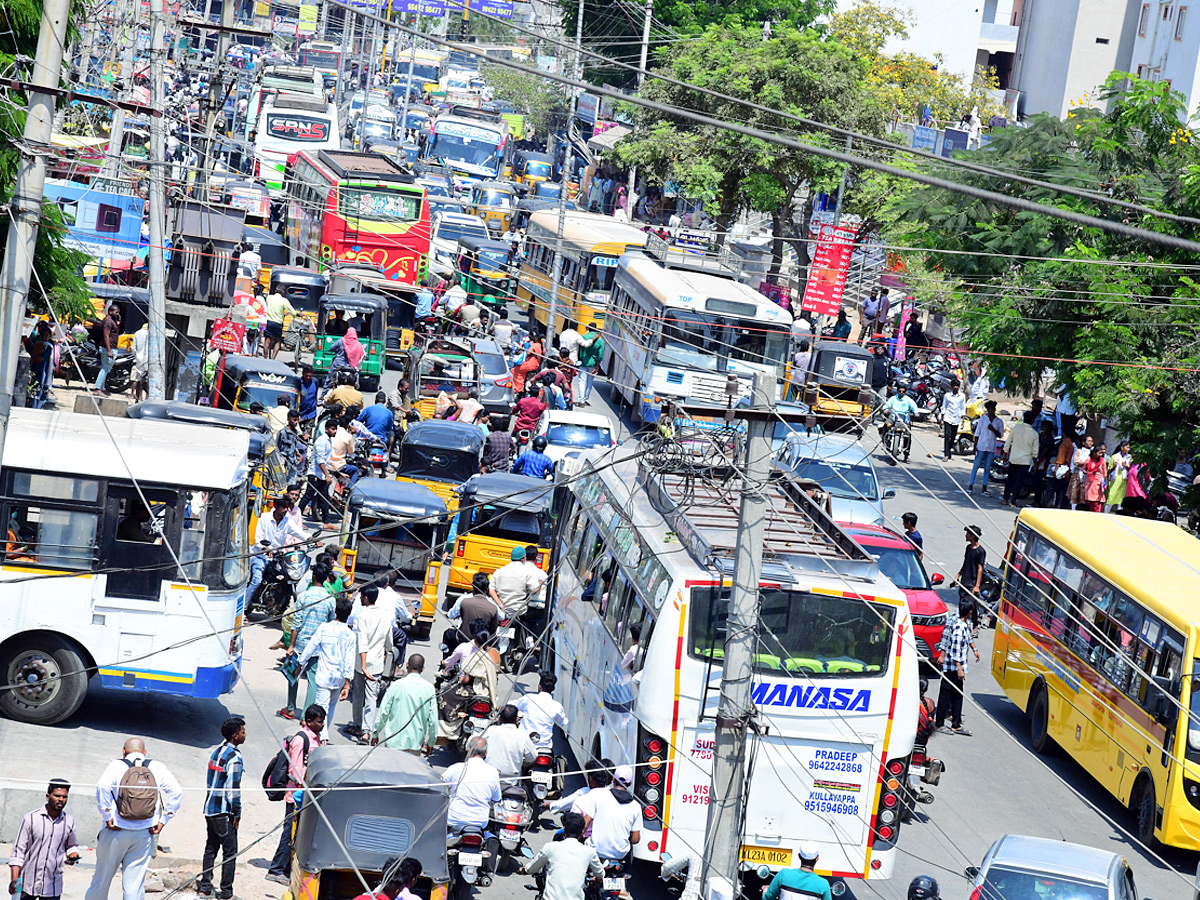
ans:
(1144, 808)
(1039, 721)
(55, 675)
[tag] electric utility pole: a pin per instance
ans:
(728, 791)
(26, 207)
(629, 198)
(216, 96)
(565, 178)
(116, 131)
(155, 261)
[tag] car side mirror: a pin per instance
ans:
(938, 578)
(889, 494)
(972, 872)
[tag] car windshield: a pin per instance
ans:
(695, 340)
(842, 480)
(800, 633)
(493, 260)
(493, 198)
(1002, 883)
(546, 189)
(579, 435)
(453, 231)
(493, 363)
(902, 567)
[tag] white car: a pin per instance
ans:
(567, 431)
(447, 229)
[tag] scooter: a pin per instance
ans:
(466, 853)
(277, 589)
(922, 768)
(511, 817)
(611, 885)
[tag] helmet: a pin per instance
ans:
(539, 443)
(923, 887)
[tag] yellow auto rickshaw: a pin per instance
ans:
(529, 168)
(441, 366)
(838, 390)
(493, 201)
(497, 513)
(440, 455)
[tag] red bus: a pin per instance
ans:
(360, 208)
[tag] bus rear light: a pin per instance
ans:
(892, 784)
(654, 745)
(654, 762)
(650, 812)
(653, 778)
(652, 795)
(889, 800)
(460, 549)
(896, 767)
(876, 864)
(885, 832)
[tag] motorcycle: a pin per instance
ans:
(545, 780)
(515, 644)
(511, 817)
(611, 885)
(466, 853)
(897, 438)
(278, 586)
(922, 768)
(84, 358)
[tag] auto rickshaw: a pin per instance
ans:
(838, 388)
(498, 512)
(303, 288)
(485, 272)
(441, 365)
(396, 525)
(366, 314)
(251, 379)
(390, 804)
(493, 202)
(269, 472)
(547, 190)
(440, 455)
(529, 168)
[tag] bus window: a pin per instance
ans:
(57, 538)
(191, 543)
(589, 549)
(617, 603)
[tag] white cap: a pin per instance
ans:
(808, 850)
(624, 774)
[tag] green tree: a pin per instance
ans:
(541, 102)
(58, 283)
(1115, 318)
(796, 72)
(615, 29)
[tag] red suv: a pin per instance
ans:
(898, 560)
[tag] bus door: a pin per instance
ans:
(133, 547)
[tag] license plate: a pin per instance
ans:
(917, 770)
(509, 633)
(614, 884)
(470, 859)
(511, 834)
(771, 856)
(540, 777)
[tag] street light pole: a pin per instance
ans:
(629, 201)
(727, 794)
(155, 261)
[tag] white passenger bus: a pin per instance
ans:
(288, 124)
(110, 601)
(675, 335)
(835, 681)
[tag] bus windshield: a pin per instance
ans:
(467, 150)
(380, 203)
(448, 230)
(601, 273)
(320, 59)
(696, 340)
(800, 633)
(425, 73)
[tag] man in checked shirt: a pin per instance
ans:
(957, 641)
(45, 840)
(223, 808)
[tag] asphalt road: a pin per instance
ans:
(994, 783)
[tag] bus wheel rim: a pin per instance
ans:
(36, 678)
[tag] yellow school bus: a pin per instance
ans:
(592, 244)
(1097, 640)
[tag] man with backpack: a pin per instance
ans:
(286, 773)
(136, 796)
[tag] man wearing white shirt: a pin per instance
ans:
(614, 815)
(474, 787)
(988, 432)
(954, 407)
(540, 712)
(509, 747)
(373, 633)
(272, 533)
(125, 843)
(334, 645)
(568, 344)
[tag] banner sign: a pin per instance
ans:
(924, 138)
(308, 20)
(227, 335)
(955, 140)
(827, 274)
(436, 8)
(496, 8)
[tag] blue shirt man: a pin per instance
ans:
(902, 406)
(802, 883)
(378, 419)
(308, 396)
(425, 301)
(533, 463)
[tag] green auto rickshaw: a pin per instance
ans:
(367, 315)
(486, 276)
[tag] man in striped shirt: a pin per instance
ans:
(223, 808)
(45, 840)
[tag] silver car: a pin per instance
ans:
(843, 467)
(495, 390)
(1028, 868)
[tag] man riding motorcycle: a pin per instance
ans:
(899, 410)
(534, 463)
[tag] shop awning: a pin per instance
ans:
(606, 140)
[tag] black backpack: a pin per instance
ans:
(275, 778)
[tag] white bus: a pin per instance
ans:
(113, 604)
(675, 335)
(835, 680)
(288, 124)
(475, 148)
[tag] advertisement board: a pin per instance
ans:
(827, 273)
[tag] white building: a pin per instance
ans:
(1166, 46)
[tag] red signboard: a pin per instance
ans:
(827, 274)
(227, 335)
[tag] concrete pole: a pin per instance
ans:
(568, 165)
(124, 16)
(629, 204)
(155, 261)
(26, 207)
(741, 632)
(216, 97)
(412, 59)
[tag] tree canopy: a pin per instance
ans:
(1114, 317)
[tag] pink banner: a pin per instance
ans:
(827, 274)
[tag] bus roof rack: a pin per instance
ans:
(291, 100)
(470, 112)
(352, 164)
